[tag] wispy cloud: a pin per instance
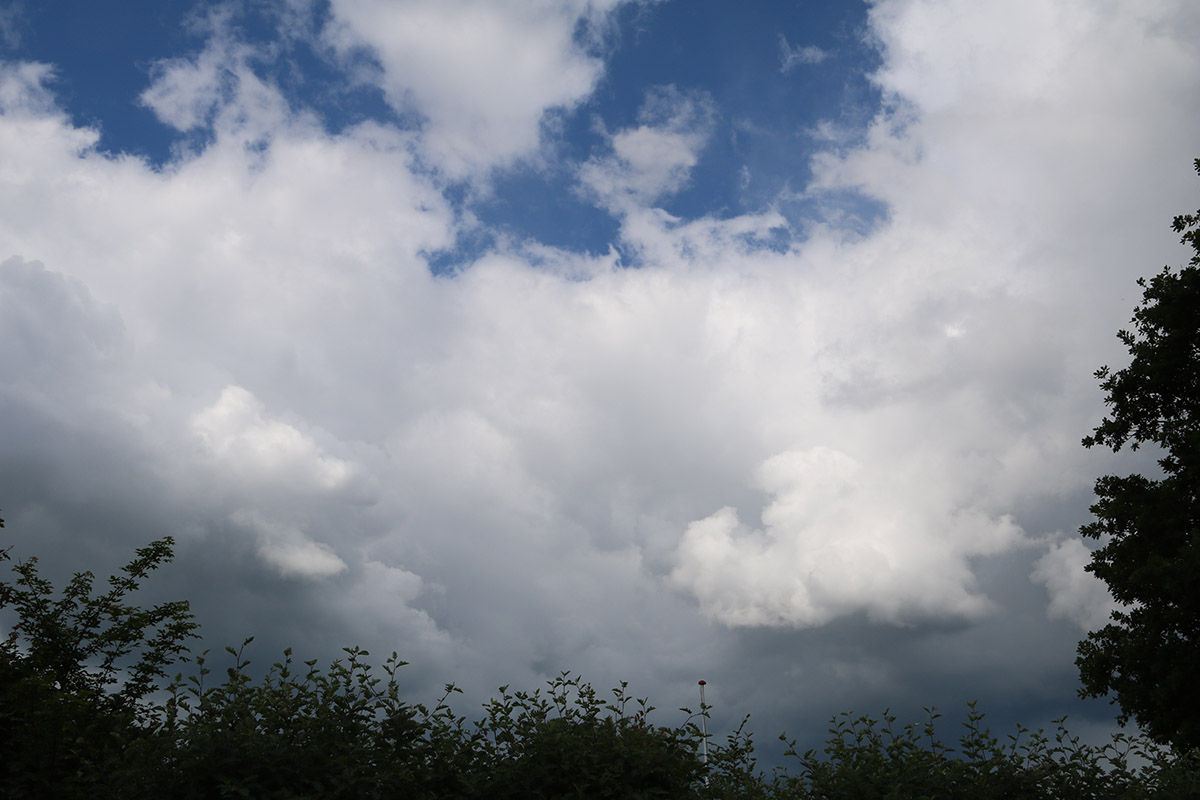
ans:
(791, 57)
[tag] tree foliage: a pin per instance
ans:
(1149, 655)
(869, 758)
(82, 715)
(77, 672)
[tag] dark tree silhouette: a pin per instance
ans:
(1148, 657)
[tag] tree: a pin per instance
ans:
(77, 673)
(1148, 657)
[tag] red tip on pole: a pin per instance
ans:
(702, 683)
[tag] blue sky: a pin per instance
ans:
(651, 340)
(768, 93)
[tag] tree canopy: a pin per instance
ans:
(1148, 657)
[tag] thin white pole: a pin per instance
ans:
(704, 732)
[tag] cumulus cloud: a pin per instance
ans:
(243, 441)
(1075, 595)
(288, 549)
(217, 90)
(971, 114)
(572, 464)
(186, 91)
(53, 330)
(482, 74)
(656, 157)
(23, 88)
(836, 540)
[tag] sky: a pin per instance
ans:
(650, 341)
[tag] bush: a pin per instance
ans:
(865, 757)
(82, 714)
(76, 675)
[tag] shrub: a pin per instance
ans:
(82, 715)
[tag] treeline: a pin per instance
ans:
(100, 698)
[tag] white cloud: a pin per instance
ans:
(483, 74)
(232, 248)
(655, 158)
(989, 100)
(23, 89)
(236, 432)
(187, 90)
(217, 89)
(837, 539)
(1075, 595)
